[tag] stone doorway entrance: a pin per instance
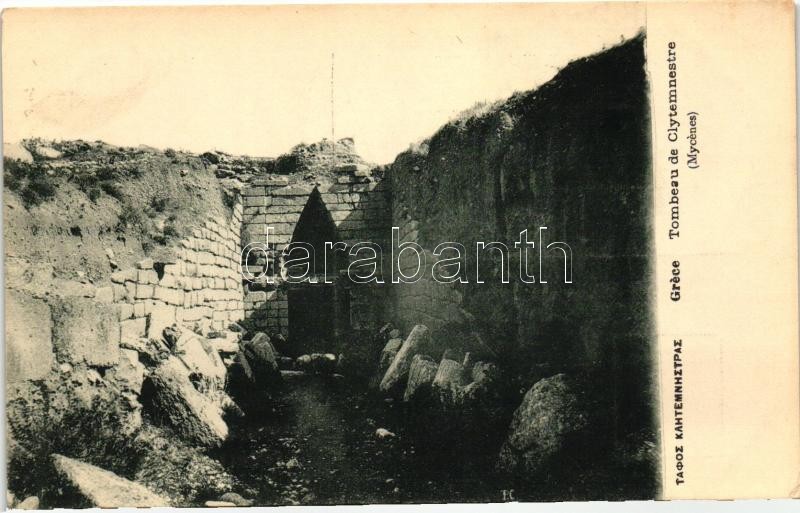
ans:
(312, 317)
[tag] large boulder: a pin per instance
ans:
(176, 401)
(104, 489)
(29, 348)
(420, 377)
(397, 372)
(544, 425)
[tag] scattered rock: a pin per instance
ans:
(398, 370)
(484, 372)
(201, 359)
(420, 377)
(385, 329)
(388, 353)
(237, 328)
(236, 499)
(341, 363)
(228, 343)
(280, 343)
(261, 356)
(169, 336)
(241, 373)
(31, 502)
(323, 363)
(317, 363)
(467, 362)
(384, 433)
(449, 381)
(482, 391)
(104, 489)
(292, 375)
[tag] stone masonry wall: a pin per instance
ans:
(202, 286)
(51, 319)
(358, 207)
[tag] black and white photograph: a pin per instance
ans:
(352, 254)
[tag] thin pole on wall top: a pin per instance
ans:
(333, 131)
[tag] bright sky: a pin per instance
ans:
(257, 81)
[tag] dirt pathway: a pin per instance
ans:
(319, 446)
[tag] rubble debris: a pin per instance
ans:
(449, 381)
(421, 374)
(398, 370)
(388, 353)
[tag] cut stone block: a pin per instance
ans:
(29, 348)
(105, 489)
(85, 331)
